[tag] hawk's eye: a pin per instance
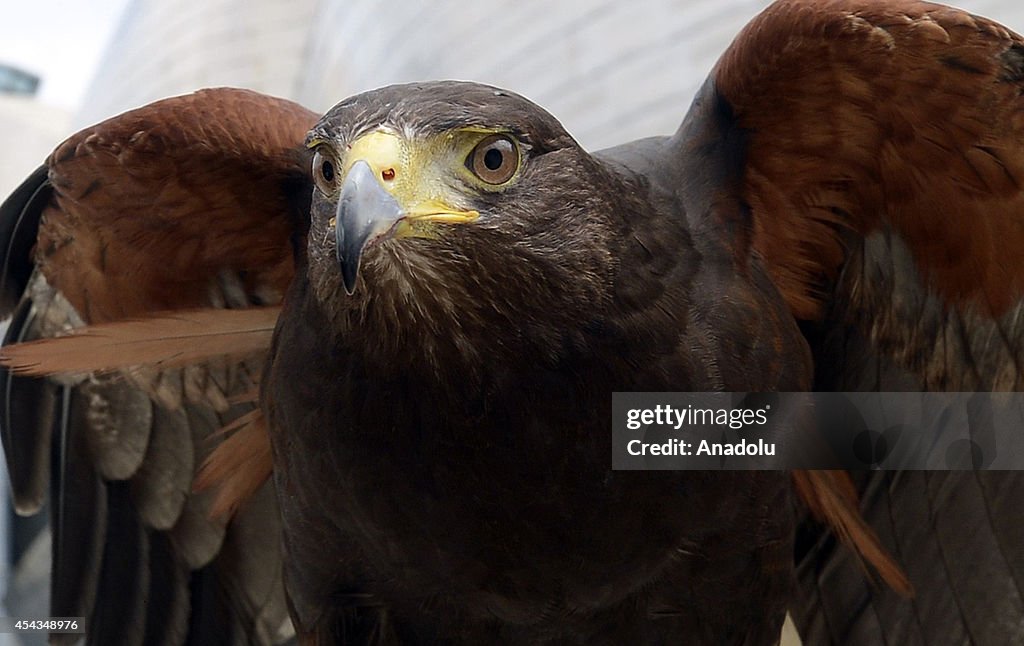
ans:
(325, 172)
(495, 159)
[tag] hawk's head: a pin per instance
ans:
(454, 194)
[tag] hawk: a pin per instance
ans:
(403, 322)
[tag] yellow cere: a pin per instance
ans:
(415, 173)
(382, 150)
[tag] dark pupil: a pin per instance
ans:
(327, 170)
(493, 159)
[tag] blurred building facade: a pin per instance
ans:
(17, 81)
(28, 129)
(611, 71)
(167, 47)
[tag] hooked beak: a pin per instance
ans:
(368, 211)
(365, 211)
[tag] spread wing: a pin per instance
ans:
(190, 202)
(874, 160)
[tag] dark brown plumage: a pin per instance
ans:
(466, 427)
(838, 210)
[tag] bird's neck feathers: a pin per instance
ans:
(428, 307)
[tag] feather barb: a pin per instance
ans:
(169, 339)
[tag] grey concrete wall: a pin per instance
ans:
(167, 47)
(610, 70)
(28, 132)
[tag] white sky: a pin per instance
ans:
(59, 40)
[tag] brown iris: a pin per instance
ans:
(495, 159)
(325, 172)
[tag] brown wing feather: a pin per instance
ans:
(190, 202)
(239, 466)
(832, 498)
(151, 205)
(171, 339)
(884, 166)
(866, 116)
